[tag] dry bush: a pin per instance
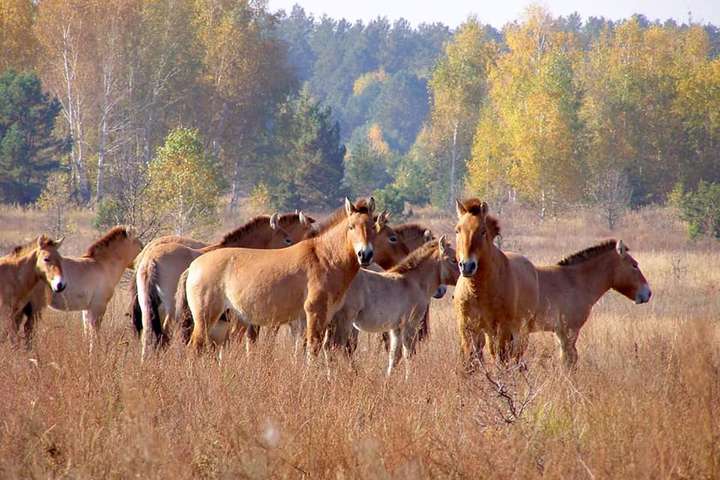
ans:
(643, 402)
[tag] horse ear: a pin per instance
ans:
(303, 219)
(42, 241)
(371, 205)
(427, 235)
(349, 207)
(274, 221)
(59, 242)
(484, 208)
(442, 244)
(460, 208)
(621, 248)
(382, 218)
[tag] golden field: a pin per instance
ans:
(643, 403)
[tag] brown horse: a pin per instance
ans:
(91, 278)
(160, 268)
(20, 272)
(569, 290)
(275, 287)
(396, 301)
(498, 292)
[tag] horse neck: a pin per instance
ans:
(492, 264)
(118, 262)
(593, 276)
(426, 275)
(28, 275)
(332, 248)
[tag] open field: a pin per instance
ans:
(643, 403)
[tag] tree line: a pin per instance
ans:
(298, 110)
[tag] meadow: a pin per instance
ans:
(644, 401)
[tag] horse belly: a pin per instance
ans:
(268, 306)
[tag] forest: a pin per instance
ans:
(122, 106)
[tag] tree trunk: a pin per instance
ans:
(453, 165)
(102, 143)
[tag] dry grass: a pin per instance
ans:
(644, 403)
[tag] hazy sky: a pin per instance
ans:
(499, 12)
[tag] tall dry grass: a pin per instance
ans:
(644, 402)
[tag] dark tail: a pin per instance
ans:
(183, 315)
(135, 313)
(147, 275)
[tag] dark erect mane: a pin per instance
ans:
(416, 257)
(253, 224)
(588, 253)
(100, 245)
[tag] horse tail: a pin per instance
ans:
(148, 300)
(134, 311)
(183, 315)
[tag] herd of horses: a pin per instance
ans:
(328, 280)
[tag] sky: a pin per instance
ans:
(499, 12)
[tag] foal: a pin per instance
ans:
(498, 292)
(569, 290)
(274, 287)
(20, 272)
(396, 301)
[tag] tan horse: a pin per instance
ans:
(498, 292)
(20, 272)
(569, 290)
(92, 278)
(396, 301)
(275, 287)
(160, 268)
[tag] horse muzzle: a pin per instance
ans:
(365, 256)
(440, 292)
(468, 268)
(58, 285)
(643, 296)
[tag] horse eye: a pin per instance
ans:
(393, 239)
(46, 259)
(457, 230)
(288, 241)
(351, 227)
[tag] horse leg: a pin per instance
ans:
(11, 325)
(567, 339)
(298, 331)
(90, 326)
(316, 313)
(394, 352)
(410, 338)
(472, 342)
(503, 344)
